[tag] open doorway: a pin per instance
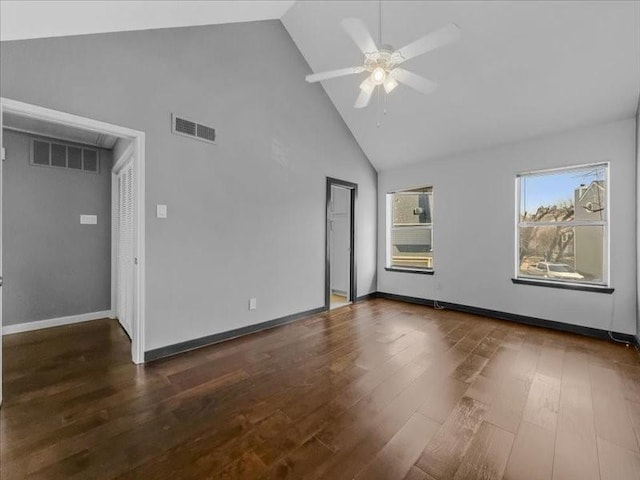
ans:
(80, 265)
(340, 279)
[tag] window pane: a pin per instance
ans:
(75, 158)
(571, 254)
(411, 247)
(58, 155)
(412, 208)
(565, 195)
(90, 160)
(40, 153)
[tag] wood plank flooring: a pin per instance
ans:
(375, 390)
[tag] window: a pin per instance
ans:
(410, 229)
(562, 225)
(60, 155)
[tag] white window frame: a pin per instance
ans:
(389, 228)
(606, 224)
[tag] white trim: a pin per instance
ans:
(565, 223)
(2, 157)
(55, 322)
(516, 231)
(128, 152)
(547, 171)
(115, 168)
(114, 244)
(46, 114)
(391, 227)
(606, 224)
(138, 139)
(56, 137)
(137, 344)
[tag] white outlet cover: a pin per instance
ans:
(161, 211)
(253, 303)
(89, 219)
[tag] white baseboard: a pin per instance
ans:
(55, 322)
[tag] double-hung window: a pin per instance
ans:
(562, 225)
(410, 230)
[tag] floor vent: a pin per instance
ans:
(189, 128)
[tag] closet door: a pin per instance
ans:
(125, 264)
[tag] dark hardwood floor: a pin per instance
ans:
(376, 390)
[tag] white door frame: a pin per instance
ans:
(2, 156)
(137, 139)
(115, 237)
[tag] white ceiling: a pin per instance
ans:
(521, 69)
(53, 18)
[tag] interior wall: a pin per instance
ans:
(474, 228)
(246, 217)
(53, 265)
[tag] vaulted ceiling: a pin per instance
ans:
(522, 68)
(53, 18)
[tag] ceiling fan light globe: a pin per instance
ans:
(389, 84)
(378, 76)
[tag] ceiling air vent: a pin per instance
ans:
(189, 128)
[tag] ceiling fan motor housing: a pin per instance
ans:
(386, 57)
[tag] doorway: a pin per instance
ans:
(340, 277)
(127, 210)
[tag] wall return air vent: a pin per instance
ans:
(191, 129)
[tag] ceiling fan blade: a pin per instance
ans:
(414, 81)
(444, 36)
(363, 98)
(359, 32)
(317, 77)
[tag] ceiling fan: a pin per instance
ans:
(382, 62)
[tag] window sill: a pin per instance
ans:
(409, 270)
(565, 286)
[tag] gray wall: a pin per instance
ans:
(246, 217)
(53, 265)
(474, 216)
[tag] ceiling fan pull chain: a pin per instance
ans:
(378, 109)
(384, 108)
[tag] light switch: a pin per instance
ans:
(161, 211)
(88, 219)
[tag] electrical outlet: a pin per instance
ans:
(253, 303)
